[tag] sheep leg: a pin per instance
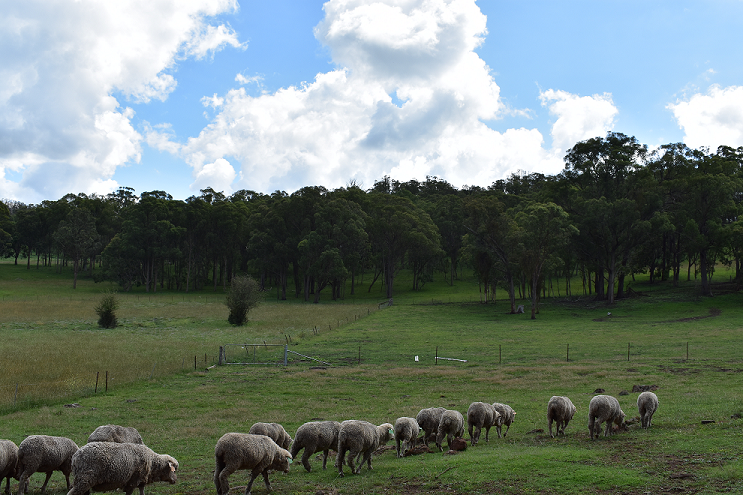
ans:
(549, 422)
(265, 478)
(325, 457)
(48, 475)
(367, 459)
(253, 475)
(351, 464)
(607, 430)
(306, 460)
(508, 427)
(397, 446)
(591, 426)
(221, 479)
(339, 460)
(487, 433)
(472, 437)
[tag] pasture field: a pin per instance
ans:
(48, 339)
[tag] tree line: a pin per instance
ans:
(617, 209)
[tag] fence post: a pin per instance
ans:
(96, 381)
(106, 381)
(15, 397)
(687, 350)
(221, 355)
(286, 352)
(567, 354)
(359, 355)
(628, 344)
(436, 357)
(500, 355)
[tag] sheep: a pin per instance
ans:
(480, 415)
(406, 431)
(360, 437)
(647, 404)
(507, 415)
(450, 426)
(117, 434)
(603, 408)
(274, 431)
(560, 410)
(8, 460)
(107, 466)
(258, 453)
(428, 420)
(315, 436)
(44, 454)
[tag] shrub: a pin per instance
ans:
(106, 310)
(244, 295)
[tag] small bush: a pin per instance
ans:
(244, 295)
(106, 310)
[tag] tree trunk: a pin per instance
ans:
(703, 269)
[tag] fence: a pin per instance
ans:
(268, 351)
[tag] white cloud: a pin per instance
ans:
(344, 125)
(61, 64)
(578, 117)
(711, 119)
(218, 175)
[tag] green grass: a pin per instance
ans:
(53, 344)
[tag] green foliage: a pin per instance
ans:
(106, 310)
(244, 295)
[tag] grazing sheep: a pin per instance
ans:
(560, 410)
(428, 420)
(450, 426)
(117, 434)
(603, 408)
(44, 454)
(107, 466)
(274, 431)
(360, 437)
(647, 404)
(258, 453)
(506, 417)
(406, 431)
(480, 415)
(314, 437)
(8, 460)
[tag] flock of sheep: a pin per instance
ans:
(115, 457)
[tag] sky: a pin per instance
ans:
(273, 95)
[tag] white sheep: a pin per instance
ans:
(117, 434)
(506, 417)
(44, 454)
(406, 432)
(560, 410)
(315, 436)
(8, 461)
(359, 438)
(274, 431)
(257, 453)
(451, 426)
(480, 415)
(603, 408)
(647, 404)
(428, 420)
(108, 466)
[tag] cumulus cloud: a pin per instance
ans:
(62, 64)
(409, 97)
(712, 119)
(218, 175)
(578, 117)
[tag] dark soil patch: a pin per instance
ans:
(712, 313)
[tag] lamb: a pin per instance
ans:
(274, 431)
(428, 420)
(647, 404)
(107, 466)
(258, 453)
(560, 410)
(44, 454)
(360, 437)
(480, 415)
(315, 436)
(117, 434)
(8, 460)
(603, 408)
(507, 415)
(406, 431)
(450, 426)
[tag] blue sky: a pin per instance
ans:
(158, 95)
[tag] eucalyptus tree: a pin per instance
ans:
(76, 235)
(542, 230)
(397, 228)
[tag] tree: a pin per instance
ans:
(76, 235)
(244, 295)
(543, 229)
(106, 310)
